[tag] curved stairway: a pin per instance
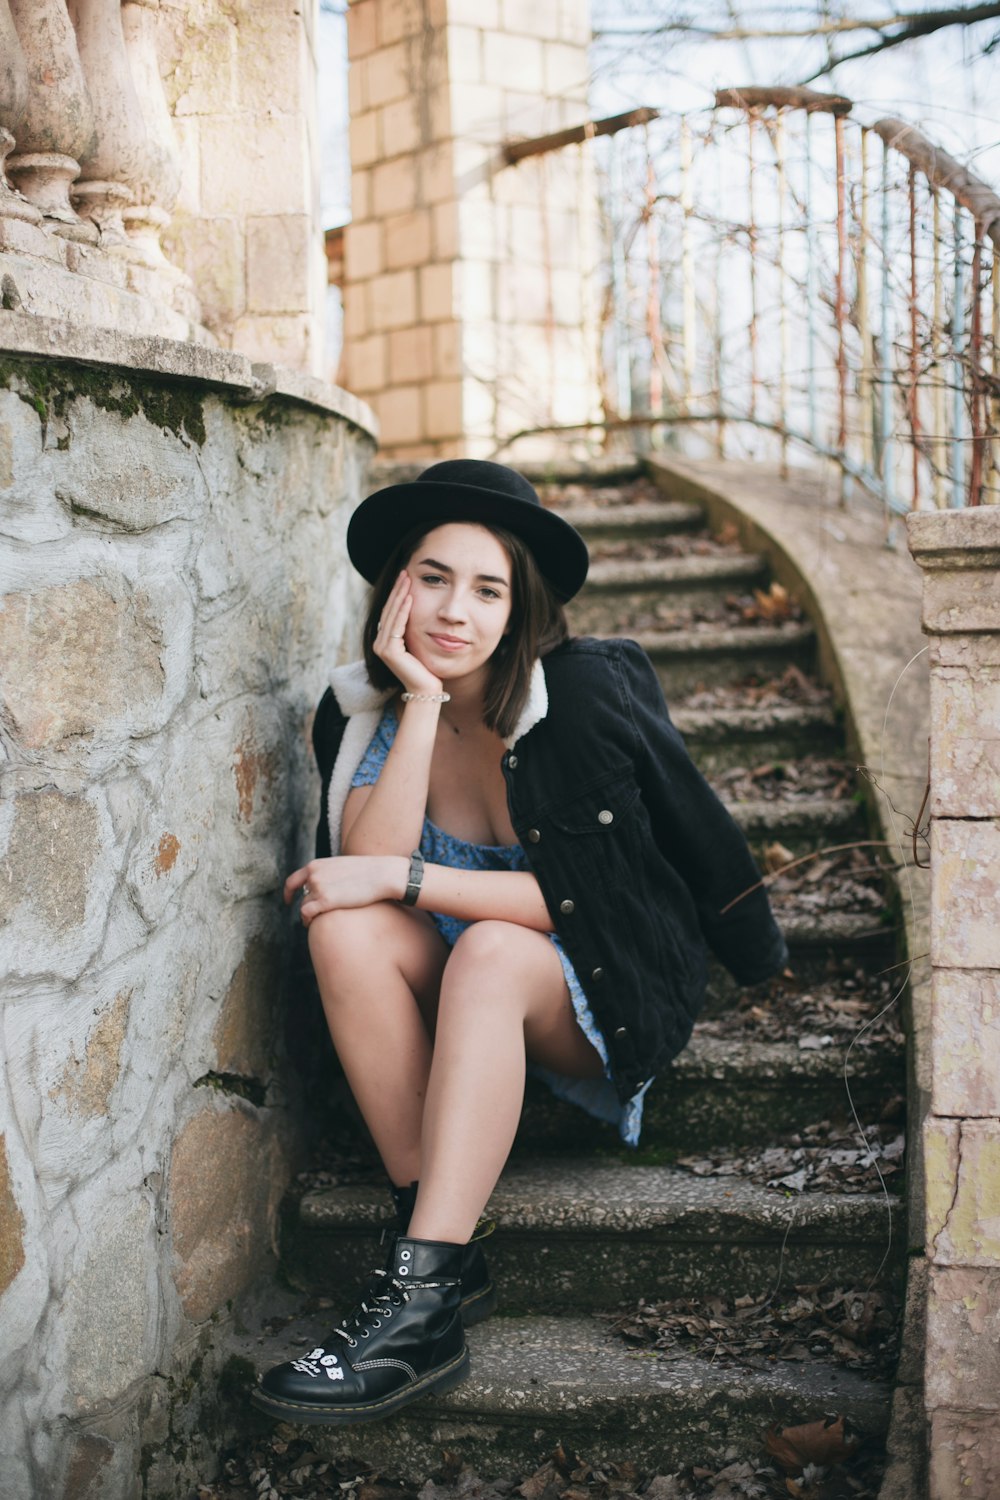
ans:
(583, 1226)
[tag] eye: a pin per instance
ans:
(431, 578)
(489, 593)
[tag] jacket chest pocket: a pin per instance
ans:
(602, 810)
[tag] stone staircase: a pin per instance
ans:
(585, 1227)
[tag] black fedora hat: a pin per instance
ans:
(468, 489)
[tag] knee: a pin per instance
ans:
(340, 935)
(487, 945)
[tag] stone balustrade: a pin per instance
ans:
(89, 168)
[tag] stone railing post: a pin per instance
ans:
(959, 552)
(13, 103)
(113, 160)
(57, 128)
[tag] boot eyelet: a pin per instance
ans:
(404, 1254)
(365, 1333)
(352, 1343)
(404, 1270)
(377, 1323)
(388, 1313)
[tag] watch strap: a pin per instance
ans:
(414, 879)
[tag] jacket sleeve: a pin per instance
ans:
(327, 732)
(696, 833)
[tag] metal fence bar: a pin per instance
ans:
(886, 454)
(957, 345)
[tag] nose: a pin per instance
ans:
(452, 606)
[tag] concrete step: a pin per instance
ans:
(601, 523)
(719, 738)
(730, 1093)
(800, 823)
(537, 1382)
(711, 655)
(576, 1235)
(621, 591)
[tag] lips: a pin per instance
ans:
(448, 642)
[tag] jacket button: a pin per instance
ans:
(567, 908)
(597, 975)
(512, 762)
(622, 1031)
(604, 816)
(534, 836)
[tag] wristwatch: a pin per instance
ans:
(414, 879)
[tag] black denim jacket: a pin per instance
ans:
(634, 853)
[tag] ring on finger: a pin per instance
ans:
(306, 892)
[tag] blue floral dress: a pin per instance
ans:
(597, 1096)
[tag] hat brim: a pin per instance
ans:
(380, 521)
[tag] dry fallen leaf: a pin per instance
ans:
(826, 1441)
(776, 857)
(776, 604)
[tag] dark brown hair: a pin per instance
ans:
(537, 626)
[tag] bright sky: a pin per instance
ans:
(947, 84)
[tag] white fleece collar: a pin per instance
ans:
(363, 704)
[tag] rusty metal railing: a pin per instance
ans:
(785, 280)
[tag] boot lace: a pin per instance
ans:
(376, 1306)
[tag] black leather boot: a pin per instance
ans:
(404, 1341)
(479, 1293)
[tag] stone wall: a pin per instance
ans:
(960, 554)
(470, 288)
(174, 588)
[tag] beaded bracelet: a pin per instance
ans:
(426, 697)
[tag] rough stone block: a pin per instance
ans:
(361, 195)
(366, 363)
(444, 231)
(476, 113)
(393, 300)
(411, 356)
(213, 253)
(400, 415)
(362, 30)
(965, 1042)
(109, 1307)
(961, 601)
(11, 1225)
(357, 92)
(970, 1234)
(400, 127)
(366, 139)
(18, 237)
(398, 19)
(356, 315)
(436, 294)
(244, 1032)
(566, 71)
(965, 741)
(293, 340)
(435, 173)
(262, 168)
(203, 80)
(465, 54)
(88, 1081)
(363, 256)
(227, 1174)
(272, 60)
(531, 17)
(389, 75)
(965, 875)
(394, 187)
(408, 239)
(964, 1456)
(278, 256)
(962, 1366)
(80, 658)
(443, 408)
(483, 13)
(447, 349)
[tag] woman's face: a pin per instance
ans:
(460, 585)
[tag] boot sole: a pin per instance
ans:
(480, 1306)
(303, 1413)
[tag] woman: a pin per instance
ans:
(568, 866)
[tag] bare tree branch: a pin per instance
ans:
(961, 16)
(916, 26)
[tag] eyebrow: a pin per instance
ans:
(432, 562)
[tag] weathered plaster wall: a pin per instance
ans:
(174, 588)
(960, 554)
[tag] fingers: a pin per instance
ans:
(294, 883)
(392, 624)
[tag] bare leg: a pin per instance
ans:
(503, 996)
(376, 966)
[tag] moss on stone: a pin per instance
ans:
(51, 388)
